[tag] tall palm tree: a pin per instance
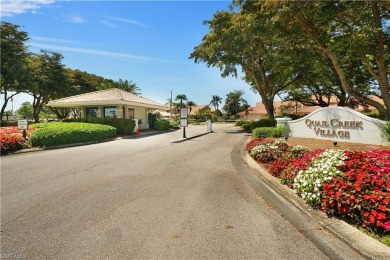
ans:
(181, 97)
(215, 101)
(128, 86)
(232, 102)
(190, 104)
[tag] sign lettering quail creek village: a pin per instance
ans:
(336, 123)
(319, 127)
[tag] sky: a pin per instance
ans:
(147, 42)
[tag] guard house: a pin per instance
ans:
(112, 102)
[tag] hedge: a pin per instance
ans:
(161, 125)
(250, 125)
(51, 134)
(123, 126)
(264, 132)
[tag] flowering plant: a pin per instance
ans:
(362, 192)
(11, 139)
(308, 183)
(270, 151)
(257, 141)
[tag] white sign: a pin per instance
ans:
(183, 112)
(183, 122)
(338, 123)
(23, 124)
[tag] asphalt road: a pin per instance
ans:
(143, 198)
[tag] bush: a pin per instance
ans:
(264, 132)
(308, 183)
(161, 125)
(385, 128)
(11, 139)
(268, 152)
(123, 126)
(361, 194)
(250, 125)
(51, 134)
(9, 123)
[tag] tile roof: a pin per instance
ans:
(107, 95)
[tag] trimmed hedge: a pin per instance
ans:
(161, 125)
(8, 123)
(250, 125)
(264, 132)
(51, 134)
(123, 126)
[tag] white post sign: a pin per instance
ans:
(23, 124)
(183, 117)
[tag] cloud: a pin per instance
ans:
(124, 20)
(98, 52)
(12, 7)
(76, 19)
(46, 39)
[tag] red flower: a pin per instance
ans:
(382, 207)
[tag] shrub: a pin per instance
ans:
(9, 123)
(12, 142)
(11, 139)
(51, 134)
(250, 125)
(123, 126)
(264, 132)
(257, 141)
(385, 128)
(268, 152)
(161, 125)
(361, 194)
(308, 183)
(301, 163)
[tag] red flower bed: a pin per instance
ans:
(362, 193)
(287, 169)
(257, 141)
(11, 139)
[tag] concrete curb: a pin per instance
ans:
(361, 243)
(189, 138)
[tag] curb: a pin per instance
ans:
(189, 138)
(358, 241)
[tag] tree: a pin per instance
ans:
(245, 39)
(234, 103)
(25, 111)
(47, 80)
(126, 85)
(352, 35)
(190, 104)
(215, 101)
(181, 98)
(13, 62)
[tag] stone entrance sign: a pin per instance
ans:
(338, 124)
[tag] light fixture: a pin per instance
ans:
(334, 143)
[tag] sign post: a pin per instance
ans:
(184, 120)
(23, 125)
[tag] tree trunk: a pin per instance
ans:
(346, 85)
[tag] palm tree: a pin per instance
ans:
(232, 102)
(215, 101)
(128, 86)
(181, 97)
(190, 104)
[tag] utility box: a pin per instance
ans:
(209, 126)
